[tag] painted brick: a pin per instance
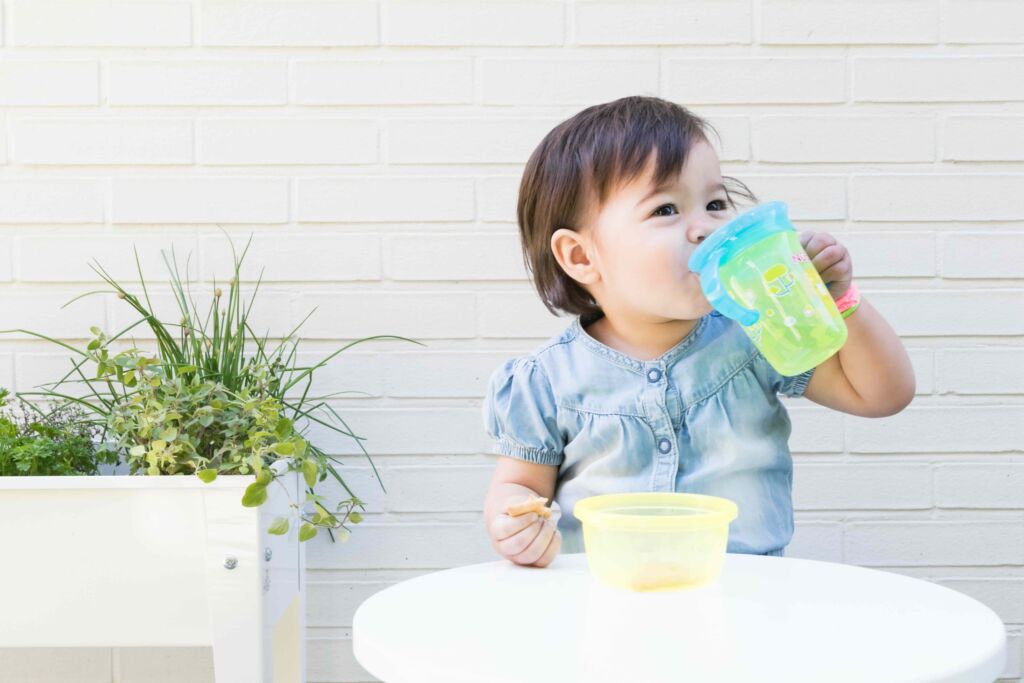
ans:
(465, 23)
(279, 24)
(42, 23)
(120, 141)
(198, 82)
(847, 22)
(309, 141)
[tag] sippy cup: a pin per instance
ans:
(754, 270)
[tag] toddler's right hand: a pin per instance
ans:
(527, 539)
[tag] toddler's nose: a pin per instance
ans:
(699, 229)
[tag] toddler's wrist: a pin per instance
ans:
(849, 301)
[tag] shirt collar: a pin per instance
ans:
(639, 366)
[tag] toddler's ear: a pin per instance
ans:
(570, 249)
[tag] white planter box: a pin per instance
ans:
(132, 561)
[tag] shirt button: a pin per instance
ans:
(653, 375)
(664, 445)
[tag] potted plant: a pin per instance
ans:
(212, 558)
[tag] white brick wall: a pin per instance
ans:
(375, 148)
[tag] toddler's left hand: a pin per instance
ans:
(831, 259)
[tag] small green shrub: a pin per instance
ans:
(54, 444)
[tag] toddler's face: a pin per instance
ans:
(643, 238)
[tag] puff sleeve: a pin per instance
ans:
(519, 413)
(793, 386)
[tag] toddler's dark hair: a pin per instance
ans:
(577, 165)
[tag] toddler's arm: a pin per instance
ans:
(528, 539)
(871, 376)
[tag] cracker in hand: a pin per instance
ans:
(533, 504)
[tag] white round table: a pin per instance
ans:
(764, 619)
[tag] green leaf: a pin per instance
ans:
(306, 532)
(138, 451)
(264, 477)
(169, 434)
(96, 331)
(207, 475)
(283, 448)
(321, 513)
(94, 344)
(255, 495)
(355, 517)
(283, 427)
(279, 527)
(309, 472)
(343, 534)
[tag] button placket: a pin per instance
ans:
(665, 458)
(666, 463)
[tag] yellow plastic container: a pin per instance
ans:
(655, 541)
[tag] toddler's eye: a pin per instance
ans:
(715, 205)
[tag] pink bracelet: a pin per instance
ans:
(849, 301)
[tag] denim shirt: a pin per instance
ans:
(704, 417)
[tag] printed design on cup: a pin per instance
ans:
(780, 281)
(756, 330)
(812, 273)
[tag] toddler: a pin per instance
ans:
(648, 388)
